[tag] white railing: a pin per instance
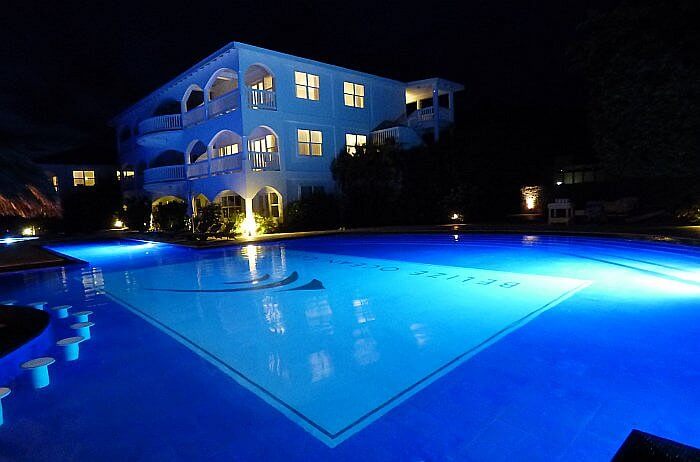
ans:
(262, 99)
(266, 161)
(224, 103)
(427, 114)
(194, 116)
(386, 136)
(167, 173)
(226, 163)
(160, 123)
(196, 169)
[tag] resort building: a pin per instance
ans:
(254, 129)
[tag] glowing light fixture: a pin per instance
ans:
(559, 183)
(29, 231)
(249, 227)
(454, 216)
(118, 224)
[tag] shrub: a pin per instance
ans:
(208, 219)
(320, 211)
(170, 216)
(136, 213)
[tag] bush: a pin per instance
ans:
(320, 211)
(689, 214)
(136, 213)
(207, 220)
(171, 216)
(90, 208)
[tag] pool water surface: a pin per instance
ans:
(402, 347)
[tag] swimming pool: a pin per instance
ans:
(398, 347)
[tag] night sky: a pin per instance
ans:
(68, 67)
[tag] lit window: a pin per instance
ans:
(309, 142)
(307, 85)
(354, 94)
(353, 141)
(227, 150)
(83, 178)
(266, 144)
(231, 205)
(54, 182)
(264, 84)
(125, 175)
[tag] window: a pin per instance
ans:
(310, 142)
(54, 182)
(227, 150)
(231, 205)
(274, 200)
(354, 94)
(125, 175)
(353, 141)
(83, 178)
(266, 144)
(307, 85)
(305, 192)
(264, 84)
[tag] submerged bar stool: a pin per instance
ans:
(82, 329)
(39, 368)
(82, 316)
(62, 310)
(38, 305)
(4, 391)
(8, 302)
(71, 347)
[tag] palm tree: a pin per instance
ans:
(25, 190)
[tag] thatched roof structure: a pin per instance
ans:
(25, 190)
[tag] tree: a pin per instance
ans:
(25, 190)
(642, 63)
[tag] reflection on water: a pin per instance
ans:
(319, 314)
(363, 312)
(420, 334)
(273, 315)
(320, 365)
(365, 347)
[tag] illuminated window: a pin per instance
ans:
(354, 94)
(54, 182)
(263, 84)
(266, 144)
(125, 175)
(309, 142)
(83, 178)
(353, 141)
(307, 85)
(231, 205)
(227, 150)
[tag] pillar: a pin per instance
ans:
(436, 114)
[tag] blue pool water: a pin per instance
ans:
(401, 347)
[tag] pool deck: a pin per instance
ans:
(30, 255)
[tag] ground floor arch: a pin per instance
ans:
(267, 202)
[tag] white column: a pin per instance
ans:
(436, 114)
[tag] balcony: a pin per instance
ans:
(427, 114)
(264, 161)
(158, 130)
(223, 104)
(225, 164)
(198, 169)
(194, 116)
(163, 174)
(262, 99)
(402, 136)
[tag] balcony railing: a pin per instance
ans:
(262, 99)
(427, 114)
(265, 161)
(386, 136)
(194, 116)
(161, 174)
(160, 123)
(226, 163)
(198, 169)
(224, 103)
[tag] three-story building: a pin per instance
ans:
(254, 129)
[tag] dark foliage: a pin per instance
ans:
(170, 216)
(207, 220)
(91, 208)
(320, 211)
(136, 213)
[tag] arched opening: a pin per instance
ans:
(259, 77)
(196, 152)
(268, 203)
(263, 149)
(192, 99)
(223, 81)
(232, 204)
(166, 200)
(225, 143)
(169, 157)
(199, 202)
(167, 107)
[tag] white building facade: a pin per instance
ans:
(254, 129)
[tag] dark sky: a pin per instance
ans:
(67, 67)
